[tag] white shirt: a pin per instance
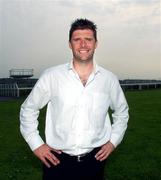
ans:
(77, 118)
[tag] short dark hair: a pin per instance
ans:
(83, 24)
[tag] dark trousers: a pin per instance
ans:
(73, 168)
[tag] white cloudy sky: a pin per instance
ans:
(34, 34)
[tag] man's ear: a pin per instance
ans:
(70, 46)
(96, 44)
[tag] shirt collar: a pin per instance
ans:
(96, 67)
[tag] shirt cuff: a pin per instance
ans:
(35, 142)
(115, 140)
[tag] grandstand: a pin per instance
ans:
(137, 84)
(21, 73)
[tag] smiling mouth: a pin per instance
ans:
(83, 51)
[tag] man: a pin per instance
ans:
(79, 133)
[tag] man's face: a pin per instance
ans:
(83, 45)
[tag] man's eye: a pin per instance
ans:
(76, 40)
(89, 39)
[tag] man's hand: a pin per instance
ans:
(44, 154)
(105, 151)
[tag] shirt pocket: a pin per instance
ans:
(101, 103)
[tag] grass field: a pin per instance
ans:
(137, 158)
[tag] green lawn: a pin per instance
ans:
(137, 158)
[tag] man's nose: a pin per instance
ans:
(83, 43)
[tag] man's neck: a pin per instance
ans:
(84, 69)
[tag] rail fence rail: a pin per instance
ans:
(16, 90)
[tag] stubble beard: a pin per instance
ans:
(84, 60)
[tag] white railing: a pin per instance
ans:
(12, 90)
